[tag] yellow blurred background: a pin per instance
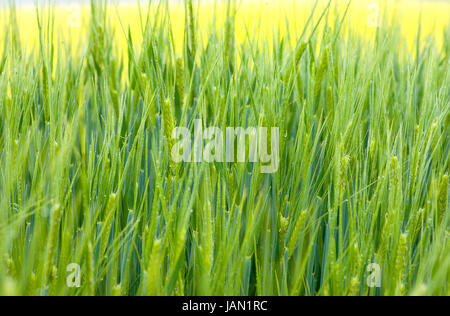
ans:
(254, 18)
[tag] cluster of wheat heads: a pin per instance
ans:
(92, 204)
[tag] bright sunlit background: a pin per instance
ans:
(254, 18)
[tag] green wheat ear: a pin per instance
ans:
(153, 273)
(191, 31)
(299, 52)
(90, 268)
(180, 79)
(355, 287)
(295, 233)
(229, 37)
(45, 91)
(442, 198)
(400, 263)
(52, 241)
(321, 69)
(168, 120)
(108, 222)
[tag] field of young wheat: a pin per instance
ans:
(348, 196)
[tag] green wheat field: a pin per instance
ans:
(91, 202)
